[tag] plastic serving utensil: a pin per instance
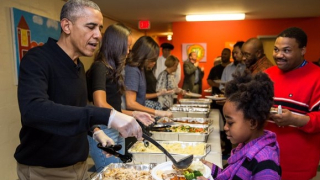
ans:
(181, 164)
(113, 150)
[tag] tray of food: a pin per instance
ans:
(195, 101)
(184, 120)
(125, 172)
(178, 114)
(182, 132)
(166, 171)
(151, 154)
(190, 112)
(192, 105)
(189, 109)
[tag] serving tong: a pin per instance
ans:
(113, 151)
(180, 164)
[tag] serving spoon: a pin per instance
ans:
(181, 164)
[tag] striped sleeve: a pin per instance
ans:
(267, 169)
(215, 170)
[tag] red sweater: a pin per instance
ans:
(298, 91)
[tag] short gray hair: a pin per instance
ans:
(73, 8)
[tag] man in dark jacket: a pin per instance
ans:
(52, 95)
(192, 74)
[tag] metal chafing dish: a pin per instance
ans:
(183, 136)
(184, 120)
(189, 112)
(192, 105)
(141, 154)
(196, 101)
(189, 109)
(138, 167)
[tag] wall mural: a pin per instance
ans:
(199, 48)
(30, 30)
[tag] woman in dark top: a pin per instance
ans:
(143, 51)
(151, 82)
(106, 85)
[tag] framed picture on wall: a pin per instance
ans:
(30, 30)
(199, 48)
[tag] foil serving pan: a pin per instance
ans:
(184, 120)
(159, 157)
(192, 105)
(178, 114)
(196, 101)
(189, 109)
(184, 136)
(139, 167)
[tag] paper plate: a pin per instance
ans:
(216, 98)
(166, 166)
(208, 90)
(193, 94)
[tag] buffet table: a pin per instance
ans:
(144, 162)
(215, 156)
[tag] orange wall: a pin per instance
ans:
(215, 34)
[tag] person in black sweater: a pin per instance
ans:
(52, 95)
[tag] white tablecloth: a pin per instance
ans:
(215, 155)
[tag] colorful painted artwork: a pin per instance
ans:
(199, 48)
(30, 30)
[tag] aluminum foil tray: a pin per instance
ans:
(178, 114)
(137, 167)
(141, 154)
(184, 120)
(192, 105)
(189, 109)
(196, 101)
(184, 136)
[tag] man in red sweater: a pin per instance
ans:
(297, 90)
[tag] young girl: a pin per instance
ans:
(249, 99)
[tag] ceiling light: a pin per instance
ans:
(215, 17)
(169, 37)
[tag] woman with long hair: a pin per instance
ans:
(106, 86)
(145, 50)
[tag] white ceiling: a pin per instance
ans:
(161, 13)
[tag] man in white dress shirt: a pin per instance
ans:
(166, 49)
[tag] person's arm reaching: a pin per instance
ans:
(99, 99)
(132, 104)
(189, 68)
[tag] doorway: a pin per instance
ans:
(268, 45)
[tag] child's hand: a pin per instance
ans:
(207, 163)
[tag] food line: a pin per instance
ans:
(213, 140)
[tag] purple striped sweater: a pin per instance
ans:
(258, 159)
